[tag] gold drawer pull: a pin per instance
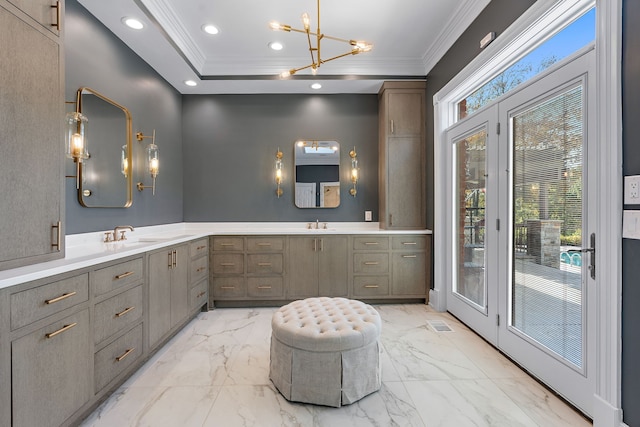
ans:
(227, 287)
(201, 294)
(125, 311)
(264, 264)
(264, 287)
(371, 263)
(227, 264)
(60, 298)
(200, 248)
(409, 256)
(61, 330)
(409, 243)
(371, 243)
(264, 244)
(125, 354)
(371, 286)
(226, 244)
(123, 275)
(201, 269)
(58, 9)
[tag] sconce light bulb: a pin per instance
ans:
(77, 144)
(125, 167)
(153, 167)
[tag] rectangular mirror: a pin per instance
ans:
(106, 180)
(317, 183)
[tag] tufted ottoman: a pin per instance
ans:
(325, 351)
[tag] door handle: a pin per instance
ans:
(591, 250)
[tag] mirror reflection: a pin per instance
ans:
(317, 183)
(106, 175)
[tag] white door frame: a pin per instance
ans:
(540, 20)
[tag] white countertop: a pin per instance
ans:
(88, 249)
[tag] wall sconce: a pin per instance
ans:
(76, 137)
(354, 171)
(152, 161)
(124, 162)
(278, 172)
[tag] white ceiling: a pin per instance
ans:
(408, 37)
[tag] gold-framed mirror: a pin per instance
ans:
(106, 179)
(317, 173)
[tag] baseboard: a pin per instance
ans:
(606, 415)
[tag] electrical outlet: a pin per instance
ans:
(632, 190)
(367, 215)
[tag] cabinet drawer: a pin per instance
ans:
(199, 269)
(227, 263)
(226, 287)
(116, 276)
(227, 244)
(38, 303)
(49, 368)
(198, 295)
(370, 286)
(370, 243)
(265, 244)
(265, 286)
(198, 248)
(372, 263)
(117, 313)
(264, 263)
(408, 243)
(115, 358)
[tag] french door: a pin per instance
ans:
(523, 261)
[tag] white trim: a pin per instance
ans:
(607, 402)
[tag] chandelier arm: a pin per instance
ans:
(338, 39)
(311, 49)
(353, 52)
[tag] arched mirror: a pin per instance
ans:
(317, 183)
(106, 180)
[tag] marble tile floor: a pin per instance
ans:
(215, 372)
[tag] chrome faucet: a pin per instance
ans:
(317, 224)
(113, 236)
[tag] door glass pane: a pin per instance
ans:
(547, 289)
(470, 227)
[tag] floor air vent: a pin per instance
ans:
(439, 326)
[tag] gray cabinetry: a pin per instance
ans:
(401, 192)
(410, 265)
(198, 274)
(318, 265)
(168, 290)
(371, 267)
(31, 117)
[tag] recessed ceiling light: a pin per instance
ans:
(190, 83)
(133, 23)
(210, 29)
(276, 45)
(315, 86)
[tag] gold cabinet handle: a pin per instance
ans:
(264, 264)
(60, 298)
(227, 287)
(57, 225)
(371, 286)
(123, 275)
(392, 127)
(125, 354)
(409, 243)
(227, 264)
(58, 8)
(200, 269)
(61, 330)
(409, 256)
(371, 263)
(226, 244)
(371, 243)
(174, 255)
(170, 254)
(201, 294)
(264, 287)
(264, 244)
(125, 311)
(199, 248)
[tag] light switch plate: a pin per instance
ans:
(367, 215)
(632, 190)
(631, 224)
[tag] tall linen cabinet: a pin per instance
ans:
(401, 192)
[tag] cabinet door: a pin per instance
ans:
(43, 11)
(50, 379)
(332, 266)
(405, 113)
(303, 267)
(180, 285)
(405, 190)
(409, 274)
(160, 264)
(31, 116)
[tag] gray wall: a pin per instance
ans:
(497, 16)
(95, 58)
(630, 248)
(230, 143)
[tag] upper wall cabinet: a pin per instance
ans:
(401, 172)
(31, 119)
